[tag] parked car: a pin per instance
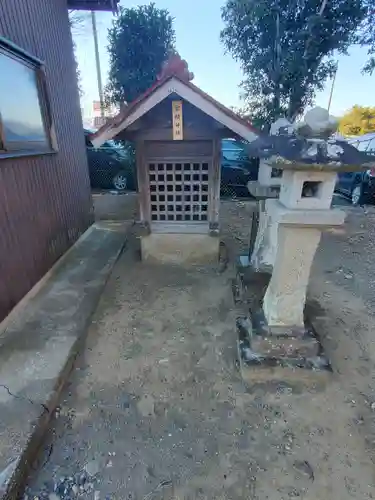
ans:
(359, 186)
(237, 169)
(110, 165)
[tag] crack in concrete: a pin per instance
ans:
(22, 398)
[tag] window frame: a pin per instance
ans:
(15, 149)
(365, 146)
(371, 146)
(225, 152)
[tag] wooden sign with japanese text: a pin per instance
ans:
(178, 132)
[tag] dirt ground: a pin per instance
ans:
(110, 206)
(156, 409)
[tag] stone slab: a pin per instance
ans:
(284, 344)
(321, 167)
(305, 217)
(301, 377)
(298, 372)
(280, 346)
(39, 342)
(181, 248)
(261, 192)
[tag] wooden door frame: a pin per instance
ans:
(214, 174)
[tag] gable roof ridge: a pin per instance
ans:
(177, 68)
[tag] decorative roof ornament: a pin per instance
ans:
(309, 142)
(175, 66)
(317, 123)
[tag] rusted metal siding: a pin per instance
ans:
(45, 201)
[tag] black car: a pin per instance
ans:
(110, 165)
(359, 186)
(237, 169)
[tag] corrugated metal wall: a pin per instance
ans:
(45, 201)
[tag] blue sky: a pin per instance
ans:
(197, 24)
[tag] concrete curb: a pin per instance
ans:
(39, 344)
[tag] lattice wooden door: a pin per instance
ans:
(179, 191)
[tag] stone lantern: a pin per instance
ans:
(263, 237)
(267, 186)
(276, 336)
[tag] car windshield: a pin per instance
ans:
(365, 143)
(232, 154)
(233, 150)
(110, 144)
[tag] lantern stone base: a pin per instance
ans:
(297, 373)
(180, 248)
(283, 355)
(275, 344)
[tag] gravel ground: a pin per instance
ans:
(156, 409)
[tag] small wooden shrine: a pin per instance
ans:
(177, 131)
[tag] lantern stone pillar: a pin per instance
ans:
(301, 214)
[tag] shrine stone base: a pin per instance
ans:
(180, 248)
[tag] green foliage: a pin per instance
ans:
(140, 40)
(358, 120)
(367, 36)
(286, 49)
(249, 114)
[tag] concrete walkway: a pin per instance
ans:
(155, 408)
(39, 342)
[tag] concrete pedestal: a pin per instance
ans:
(177, 248)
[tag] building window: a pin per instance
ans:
(25, 125)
